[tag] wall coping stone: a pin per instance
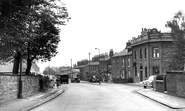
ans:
(159, 81)
(175, 72)
(3, 74)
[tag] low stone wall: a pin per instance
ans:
(30, 85)
(9, 86)
(176, 83)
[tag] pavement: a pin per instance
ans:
(28, 103)
(166, 99)
(31, 102)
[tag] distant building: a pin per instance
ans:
(8, 67)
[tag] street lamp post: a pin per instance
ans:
(20, 77)
(71, 70)
(99, 66)
(89, 64)
(71, 64)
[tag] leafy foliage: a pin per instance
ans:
(30, 27)
(49, 71)
(177, 25)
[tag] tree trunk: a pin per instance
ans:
(16, 63)
(29, 64)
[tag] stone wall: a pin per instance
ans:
(176, 83)
(9, 86)
(30, 85)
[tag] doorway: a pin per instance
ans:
(141, 73)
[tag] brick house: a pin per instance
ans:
(122, 65)
(92, 68)
(82, 66)
(105, 68)
(150, 53)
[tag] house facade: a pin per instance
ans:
(122, 66)
(92, 69)
(105, 68)
(150, 53)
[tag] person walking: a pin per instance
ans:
(58, 83)
(99, 81)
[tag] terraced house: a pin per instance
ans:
(121, 66)
(150, 53)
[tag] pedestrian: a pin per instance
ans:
(99, 81)
(58, 83)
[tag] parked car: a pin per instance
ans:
(149, 82)
(94, 79)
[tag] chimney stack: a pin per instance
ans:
(111, 53)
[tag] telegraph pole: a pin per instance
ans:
(71, 64)
(89, 63)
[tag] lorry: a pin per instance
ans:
(64, 79)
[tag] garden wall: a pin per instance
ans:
(9, 86)
(176, 83)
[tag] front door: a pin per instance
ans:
(141, 73)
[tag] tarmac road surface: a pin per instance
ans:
(105, 97)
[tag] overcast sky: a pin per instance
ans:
(108, 24)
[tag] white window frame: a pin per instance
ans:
(129, 74)
(128, 62)
(123, 75)
(154, 53)
(123, 62)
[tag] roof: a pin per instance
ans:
(94, 63)
(81, 66)
(105, 59)
(123, 53)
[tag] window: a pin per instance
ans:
(155, 70)
(123, 62)
(135, 54)
(155, 52)
(128, 62)
(141, 54)
(123, 75)
(145, 52)
(135, 71)
(128, 73)
(145, 72)
(118, 62)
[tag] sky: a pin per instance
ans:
(108, 24)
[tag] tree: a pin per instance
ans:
(177, 25)
(12, 30)
(35, 33)
(49, 71)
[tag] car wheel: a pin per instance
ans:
(144, 86)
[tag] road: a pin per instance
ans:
(105, 97)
